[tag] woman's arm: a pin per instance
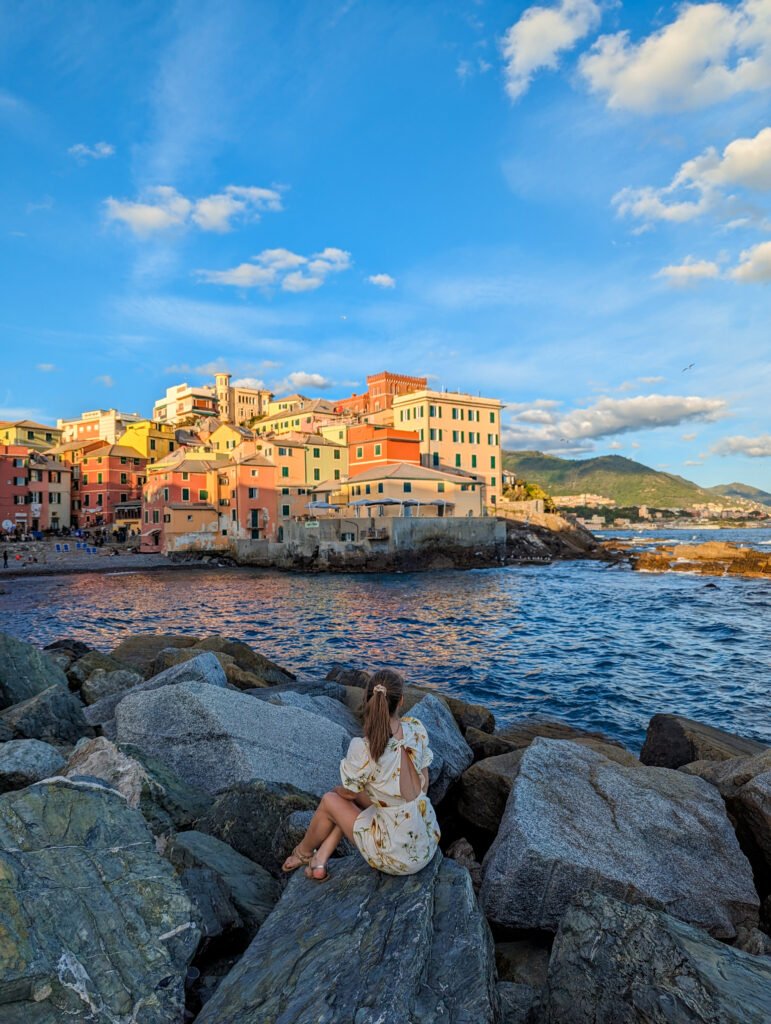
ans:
(346, 794)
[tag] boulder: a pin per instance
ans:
(23, 762)
(452, 755)
(166, 803)
(213, 910)
(348, 676)
(672, 741)
(55, 715)
(102, 683)
(522, 733)
(462, 852)
(139, 652)
(214, 737)
(61, 658)
(251, 890)
(483, 744)
(470, 716)
(169, 656)
(25, 671)
(618, 964)
(324, 706)
(95, 925)
(247, 659)
(204, 668)
(518, 1002)
(367, 947)
(75, 648)
(522, 961)
(250, 817)
(576, 820)
(6, 733)
(82, 669)
(485, 788)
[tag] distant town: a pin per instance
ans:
(222, 462)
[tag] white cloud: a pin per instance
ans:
(693, 462)
(466, 69)
(298, 380)
(615, 445)
(46, 203)
(271, 265)
(710, 52)
(540, 37)
(610, 416)
(105, 379)
(753, 447)
(689, 272)
(46, 367)
(651, 380)
(755, 264)
(82, 152)
(248, 382)
(162, 208)
(689, 437)
(698, 185)
(382, 280)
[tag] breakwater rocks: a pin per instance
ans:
(713, 558)
(149, 796)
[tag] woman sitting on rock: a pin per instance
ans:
(383, 803)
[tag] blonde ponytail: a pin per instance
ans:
(384, 691)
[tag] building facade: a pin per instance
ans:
(34, 491)
(29, 434)
(407, 489)
(97, 425)
(458, 431)
(183, 404)
(108, 477)
(382, 389)
(370, 445)
(239, 404)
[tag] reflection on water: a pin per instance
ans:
(604, 648)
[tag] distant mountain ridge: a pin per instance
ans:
(625, 481)
(737, 490)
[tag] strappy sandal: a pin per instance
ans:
(303, 859)
(310, 868)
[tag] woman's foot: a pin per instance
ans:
(296, 859)
(317, 872)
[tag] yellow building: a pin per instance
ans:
(227, 436)
(29, 434)
(309, 417)
(337, 432)
(418, 490)
(457, 431)
(152, 440)
(285, 404)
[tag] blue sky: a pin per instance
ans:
(562, 205)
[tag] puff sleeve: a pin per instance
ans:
(355, 768)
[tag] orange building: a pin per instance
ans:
(370, 446)
(382, 388)
(288, 456)
(109, 475)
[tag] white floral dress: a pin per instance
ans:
(394, 835)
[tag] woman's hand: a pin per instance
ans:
(346, 794)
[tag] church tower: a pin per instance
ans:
(224, 395)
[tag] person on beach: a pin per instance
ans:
(383, 803)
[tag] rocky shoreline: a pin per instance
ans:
(711, 558)
(149, 796)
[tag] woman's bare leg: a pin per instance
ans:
(333, 813)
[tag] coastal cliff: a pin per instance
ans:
(150, 795)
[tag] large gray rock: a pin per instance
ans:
(139, 651)
(23, 762)
(452, 755)
(247, 659)
(214, 737)
(672, 741)
(522, 732)
(252, 891)
(617, 964)
(25, 671)
(82, 669)
(203, 668)
(366, 947)
(327, 707)
(165, 801)
(576, 820)
(55, 715)
(94, 925)
(102, 683)
(518, 1002)
(255, 819)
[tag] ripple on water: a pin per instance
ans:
(602, 650)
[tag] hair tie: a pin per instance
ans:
(379, 688)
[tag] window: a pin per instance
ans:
(359, 453)
(337, 474)
(136, 462)
(123, 478)
(336, 453)
(152, 444)
(20, 481)
(98, 478)
(432, 434)
(316, 474)
(233, 515)
(124, 497)
(282, 451)
(99, 499)
(367, 489)
(284, 510)
(440, 433)
(378, 449)
(285, 490)
(432, 410)
(454, 413)
(455, 436)
(123, 460)
(421, 433)
(156, 515)
(185, 476)
(203, 495)
(407, 486)
(253, 492)
(492, 481)
(186, 494)
(166, 517)
(285, 471)
(380, 488)
(440, 487)
(473, 462)
(147, 516)
(30, 435)
(492, 462)
(491, 438)
(492, 417)
(436, 458)
(316, 453)
(457, 460)
(49, 437)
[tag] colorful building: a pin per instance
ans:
(237, 403)
(308, 417)
(458, 431)
(108, 476)
(228, 436)
(288, 456)
(370, 445)
(151, 440)
(285, 403)
(29, 434)
(97, 425)
(183, 404)
(407, 489)
(34, 491)
(382, 389)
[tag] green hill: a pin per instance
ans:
(625, 481)
(737, 490)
